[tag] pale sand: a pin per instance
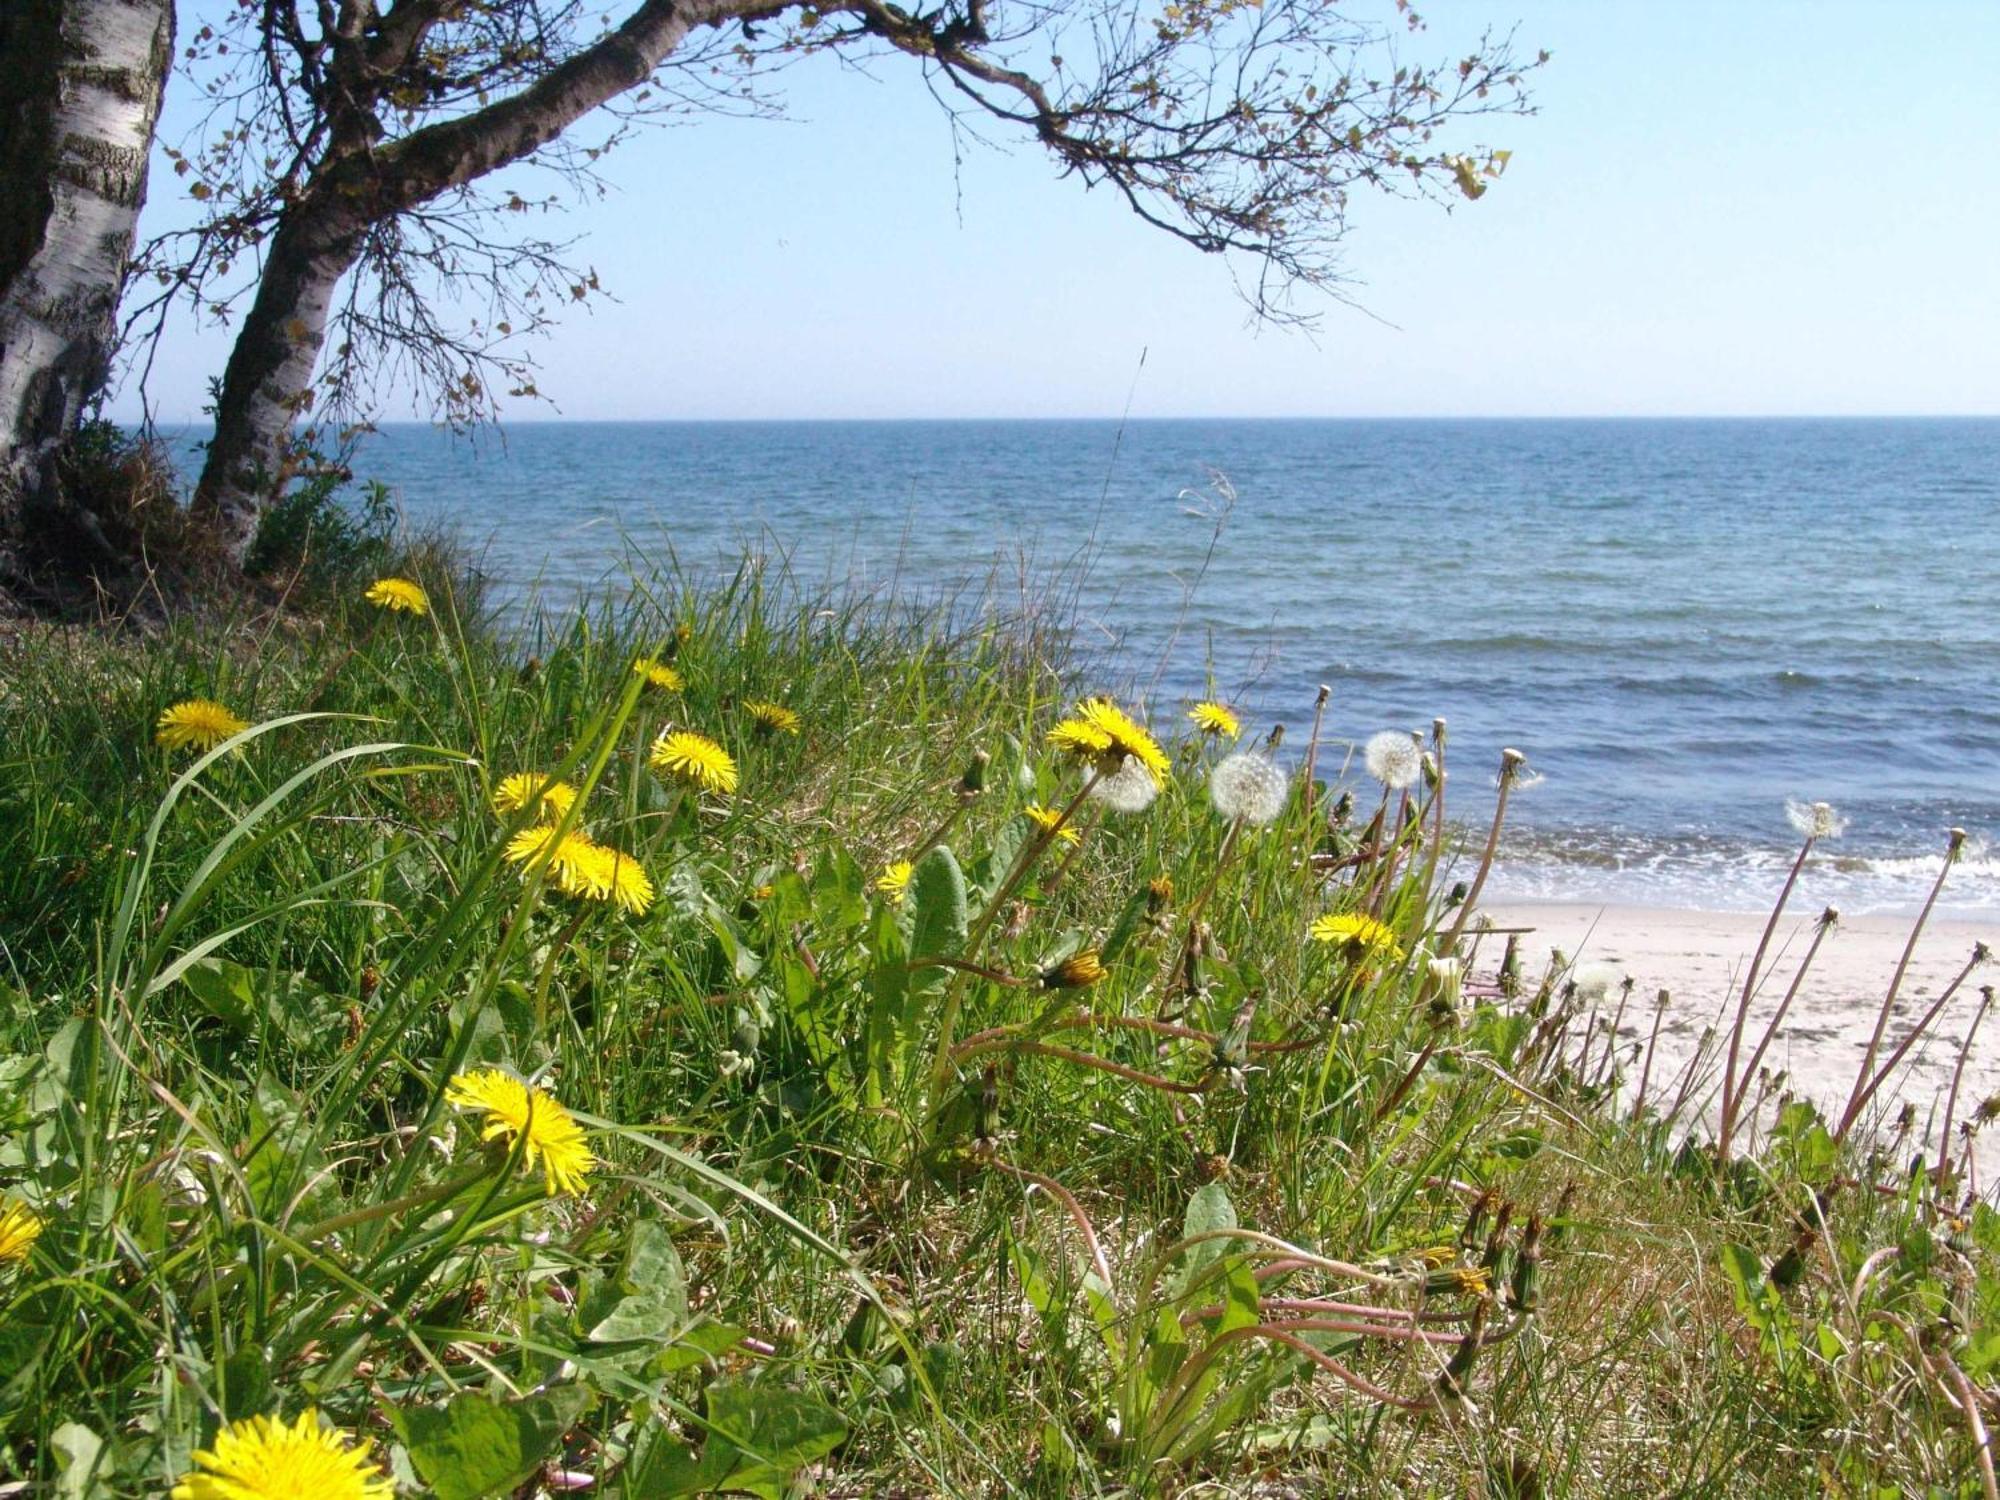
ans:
(1700, 957)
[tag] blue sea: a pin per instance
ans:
(1681, 622)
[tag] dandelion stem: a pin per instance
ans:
(1195, 908)
(1732, 1104)
(1511, 762)
(1660, 1004)
(954, 996)
(1068, 1200)
(1881, 1076)
(1729, 1090)
(1312, 745)
(1958, 1072)
(1955, 840)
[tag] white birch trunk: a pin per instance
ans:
(58, 309)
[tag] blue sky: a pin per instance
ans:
(1724, 207)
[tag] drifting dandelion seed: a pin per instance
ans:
(1129, 789)
(695, 760)
(201, 723)
(1392, 758)
(1814, 820)
(399, 596)
(1249, 787)
(262, 1458)
(517, 1113)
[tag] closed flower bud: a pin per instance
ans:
(1077, 972)
(973, 782)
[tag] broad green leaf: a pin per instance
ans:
(474, 1446)
(759, 1435)
(653, 1304)
(937, 906)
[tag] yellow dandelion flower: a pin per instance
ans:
(659, 673)
(264, 1459)
(575, 863)
(399, 596)
(199, 722)
(894, 882)
(531, 1117)
(1077, 972)
(1354, 930)
(625, 880)
(1048, 817)
(525, 788)
(771, 718)
(20, 1227)
(1104, 734)
(694, 759)
(1215, 720)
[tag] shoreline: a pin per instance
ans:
(1699, 958)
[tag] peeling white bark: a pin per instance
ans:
(57, 316)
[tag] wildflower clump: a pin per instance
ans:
(398, 596)
(694, 760)
(580, 866)
(264, 1458)
(530, 1119)
(200, 723)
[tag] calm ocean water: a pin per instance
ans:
(1682, 623)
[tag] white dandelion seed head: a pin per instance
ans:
(1248, 785)
(1595, 981)
(1393, 759)
(1814, 820)
(1129, 789)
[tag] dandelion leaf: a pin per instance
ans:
(937, 905)
(1207, 1211)
(473, 1446)
(759, 1435)
(647, 1299)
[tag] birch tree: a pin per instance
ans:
(79, 96)
(351, 142)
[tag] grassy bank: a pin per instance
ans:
(887, 1094)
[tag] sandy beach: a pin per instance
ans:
(1699, 957)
